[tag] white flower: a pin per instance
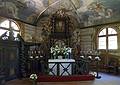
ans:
(33, 76)
(97, 58)
(37, 57)
(90, 57)
(31, 56)
(82, 56)
(67, 53)
(93, 73)
(56, 51)
(69, 49)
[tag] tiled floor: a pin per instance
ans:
(105, 80)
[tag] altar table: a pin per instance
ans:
(60, 67)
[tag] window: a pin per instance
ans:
(107, 39)
(8, 26)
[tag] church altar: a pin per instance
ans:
(60, 67)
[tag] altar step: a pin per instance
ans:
(47, 78)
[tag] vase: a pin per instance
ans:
(54, 57)
(60, 57)
(34, 82)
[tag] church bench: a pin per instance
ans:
(111, 65)
(2, 80)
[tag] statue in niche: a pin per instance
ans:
(60, 26)
(60, 21)
(60, 43)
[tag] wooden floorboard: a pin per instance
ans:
(105, 80)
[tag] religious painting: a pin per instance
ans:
(87, 12)
(96, 12)
(26, 10)
(59, 26)
(60, 43)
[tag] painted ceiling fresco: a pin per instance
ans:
(87, 12)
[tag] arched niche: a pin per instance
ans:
(60, 27)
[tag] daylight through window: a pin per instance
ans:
(7, 26)
(107, 39)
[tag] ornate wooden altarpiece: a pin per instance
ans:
(60, 32)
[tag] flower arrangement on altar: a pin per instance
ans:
(60, 51)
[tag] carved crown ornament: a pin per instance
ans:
(61, 13)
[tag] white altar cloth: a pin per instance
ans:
(64, 62)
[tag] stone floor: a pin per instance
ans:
(105, 80)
